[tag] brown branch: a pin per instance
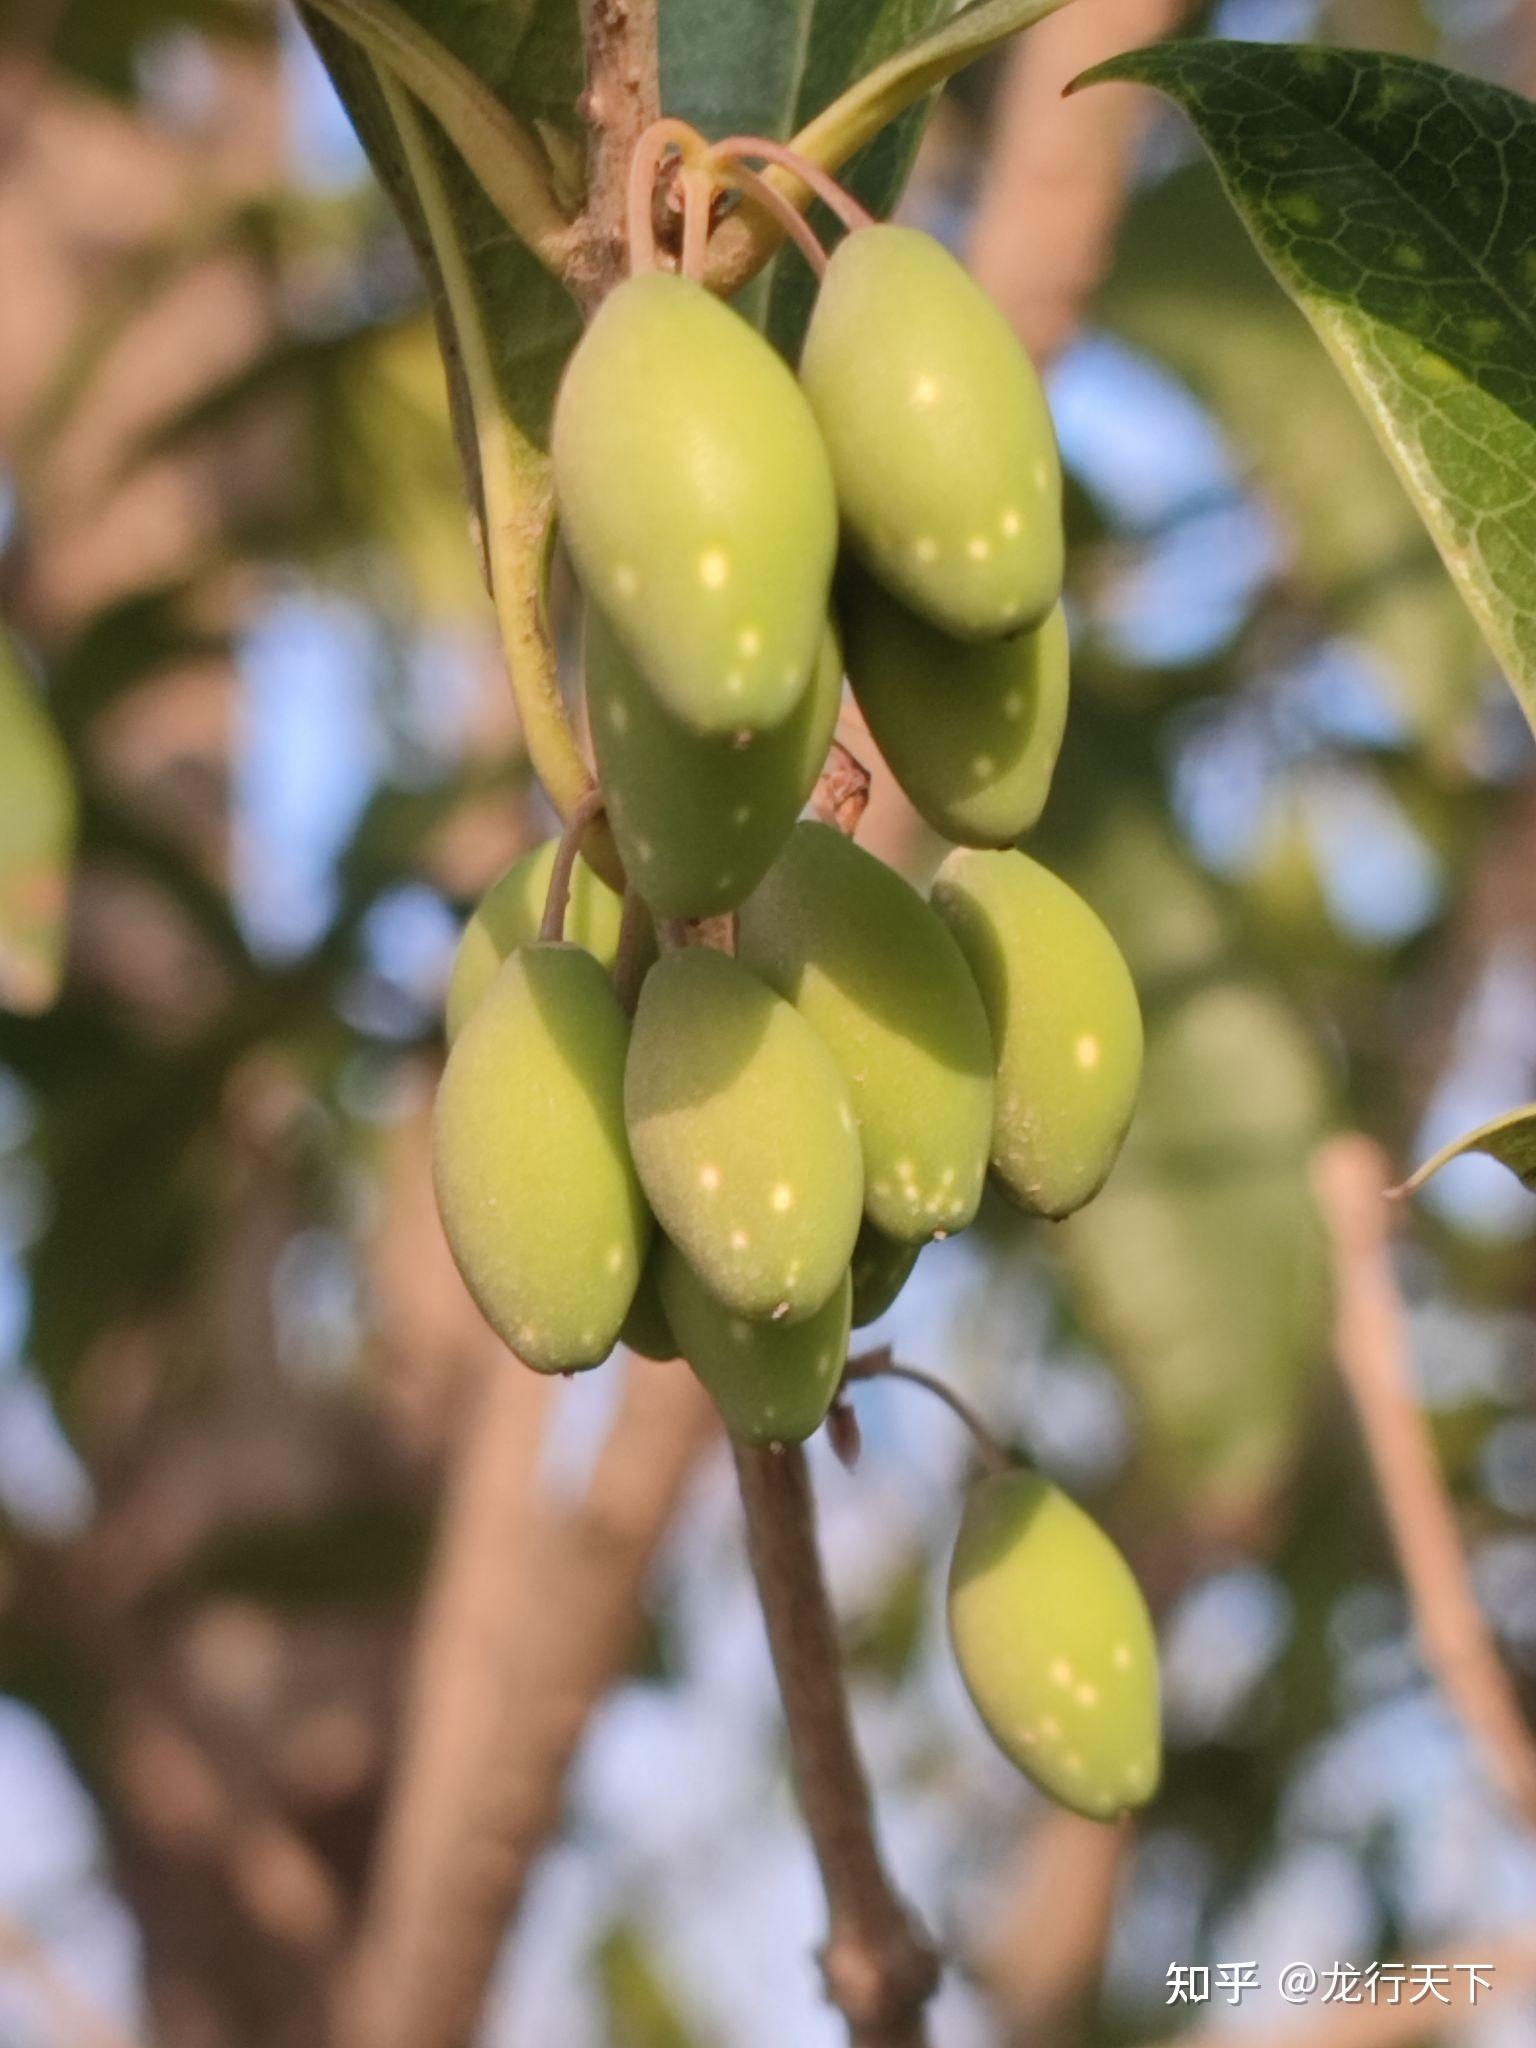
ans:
(879, 1972)
(1054, 186)
(1044, 1947)
(1372, 1344)
(533, 1612)
(841, 795)
(622, 99)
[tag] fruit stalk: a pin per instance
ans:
(879, 1365)
(878, 1970)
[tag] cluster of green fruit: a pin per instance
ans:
(800, 1117)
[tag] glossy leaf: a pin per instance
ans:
(1392, 198)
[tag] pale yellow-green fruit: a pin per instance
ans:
(1065, 1023)
(880, 1269)
(695, 498)
(538, 1195)
(743, 1135)
(772, 1382)
(1056, 1647)
(971, 732)
(509, 914)
(942, 448)
(699, 821)
(887, 990)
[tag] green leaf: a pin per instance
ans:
(1357, 552)
(530, 59)
(640, 2010)
(1511, 1139)
(37, 835)
(1394, 199)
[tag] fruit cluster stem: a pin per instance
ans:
(878, 1969)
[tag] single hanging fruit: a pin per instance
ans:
(874, 972)
(942, 448)
(772, 1382)
(880, 1269)
(971, 732)
(1055, 1644)
(538, 1195)
(1065, 1022)
(698, 821)
(695, 498)
(509, 914)
(743, 1135)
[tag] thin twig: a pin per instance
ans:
(557, 898)
(850, 211)
(782, 209)
(880, 1365)
(1372, 1344)
(879, 1971)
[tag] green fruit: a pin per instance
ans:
(535, 1184)
(646, 1328)
(1065, 1021)
(1055, 1645)
(874, 972)
(942, 450)
(743, 1135)
(971, 732)
(772, 1382)
(695, 498)
(698, 821)
(881, 1268)
(509, 914)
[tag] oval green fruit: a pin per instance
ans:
(509, 914)
(1065, 1022)
(695, 498)
(942, 448)
(1055, 1644)
(880, 1269)
(538, 1195)
(743, 1135)
(970, 731)
(874, 972)
(646, 1328)
(772, 1382)
(698, 821)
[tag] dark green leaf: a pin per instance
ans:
(1396, 201)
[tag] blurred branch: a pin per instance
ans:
(532, 1615)
(1054, 184)
(878, 1970)
(1509, 1963)
(1371, 1338)
(77, 2023)
(1044, 1948)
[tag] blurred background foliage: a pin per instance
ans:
(256, 761)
